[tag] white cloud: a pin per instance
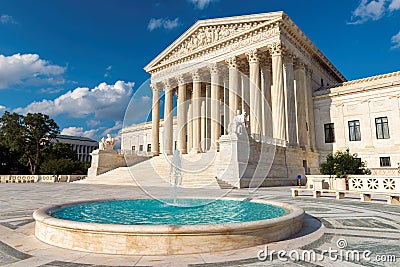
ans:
(396, 41)
(79, 131)
(2, 110)
(394, 5)
(162, 23)
(139, 110)
(368, 10)
(5, 19)
(107, 73)
(28, 69)
(103, 101)
(92, 123)
(50, 90)
(201, 4)
(116, 128)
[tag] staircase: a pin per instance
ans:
(118, 176)
(198, 171)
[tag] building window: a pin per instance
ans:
(148, 147)
(354, 130)
(141, 148)
(329, 133)
(385, 161)
(382, 128)
(133, 148)
(322, 82)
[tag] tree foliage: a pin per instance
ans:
(63, 166)
(59, 151)
(27, 136)
(342, 164)
(61, 159)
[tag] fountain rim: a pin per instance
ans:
(42, 216)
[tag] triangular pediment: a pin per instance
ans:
(210, 32)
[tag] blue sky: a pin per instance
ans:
(80, 61)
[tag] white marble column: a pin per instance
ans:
(168, 119)
(255, 94)
(310, 110)
(266, 100)
(155, 118)
(196, 106)
(203, 121)
(190, 125)
(300, 85)
(290, 101)
(215, 105)
(278, 94)
(245, 95)
(225, 105)
(182, 115)
(208, 115)
(233, 87)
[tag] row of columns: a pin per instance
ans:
(283, 86)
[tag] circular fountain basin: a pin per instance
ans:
(152, 227)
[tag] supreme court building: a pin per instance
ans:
(291, 95)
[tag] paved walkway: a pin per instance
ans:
(351, 224)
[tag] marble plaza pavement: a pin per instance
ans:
(364, 226)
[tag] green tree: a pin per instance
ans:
(59, 158)
(63, 166)
(342, 164)
(11, 131)
(59, 151)
(28, 136)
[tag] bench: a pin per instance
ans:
(316, 192)
(391, 198)
(365, 196)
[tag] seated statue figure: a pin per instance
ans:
(107, 144)
(238, 124)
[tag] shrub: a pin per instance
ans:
(342, 164)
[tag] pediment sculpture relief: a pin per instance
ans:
(208, 35)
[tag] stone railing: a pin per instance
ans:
(374, 183)
(359, 183)
(40, 178)
(385, 171)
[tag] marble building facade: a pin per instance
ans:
(263, 66)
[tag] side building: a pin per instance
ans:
(364, 116)
(82, 145)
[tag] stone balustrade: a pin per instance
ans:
(357, 183)
(40, 178)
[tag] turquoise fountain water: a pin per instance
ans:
(155, 212)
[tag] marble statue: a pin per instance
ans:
(238, 124)
(107, 144)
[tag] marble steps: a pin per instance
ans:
(156, 172)
(224, 185)
(119, 176)
(190, 178)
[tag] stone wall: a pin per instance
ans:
(40, 178)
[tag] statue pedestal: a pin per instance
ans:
(233, 158)
(104, 161)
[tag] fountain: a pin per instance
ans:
(153, 227)
(165, 226)
(175, 173)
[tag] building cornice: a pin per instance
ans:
(359, 85)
